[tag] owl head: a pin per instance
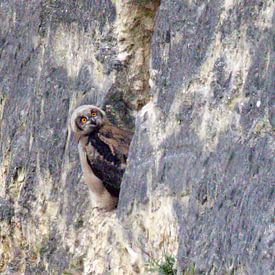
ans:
(86, 119)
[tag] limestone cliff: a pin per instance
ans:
(195, 79)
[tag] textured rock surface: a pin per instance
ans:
(199, 184)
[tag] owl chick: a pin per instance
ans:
(103, 151)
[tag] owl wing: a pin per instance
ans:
(109, 174)
(118, 141)
(111, 146)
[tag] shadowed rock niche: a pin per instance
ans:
(133, 29)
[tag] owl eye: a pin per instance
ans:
(83, 119)
(93, 114)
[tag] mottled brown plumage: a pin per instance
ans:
(103, 150)
(107, 152)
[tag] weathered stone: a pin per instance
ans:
(206, 135)
(194, 79)
(6, 210)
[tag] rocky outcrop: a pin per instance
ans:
(210, 145)
(194, 79)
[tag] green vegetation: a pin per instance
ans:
(167, 266)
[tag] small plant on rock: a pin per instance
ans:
(166, 266)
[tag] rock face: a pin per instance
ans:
(195, 80)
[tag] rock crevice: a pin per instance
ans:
(194, 79)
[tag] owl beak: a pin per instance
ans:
(92, 121)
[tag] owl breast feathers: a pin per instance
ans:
(103, 150)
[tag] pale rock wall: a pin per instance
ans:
(206, 138)
(195, 81)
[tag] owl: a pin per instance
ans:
(103, 151)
